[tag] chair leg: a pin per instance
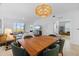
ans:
(6, 46)
(62, 53)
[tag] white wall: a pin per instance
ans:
(47, 24)
(74, 27)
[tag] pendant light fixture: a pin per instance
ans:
(43, 10)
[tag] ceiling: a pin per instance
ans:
(26, 10)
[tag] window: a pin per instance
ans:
(19, 27)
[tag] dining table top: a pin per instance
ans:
(37, 44)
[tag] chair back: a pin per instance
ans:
(61, 43)
(52, 52)
(27, 37)
(52, 35)
(17, 50)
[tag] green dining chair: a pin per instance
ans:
(61, 43)
(17, 50)
(52, 35)
(52, 52)
(27, 37)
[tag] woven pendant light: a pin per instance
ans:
(43, 10)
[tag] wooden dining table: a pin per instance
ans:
(37, 44)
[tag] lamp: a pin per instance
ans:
(8, 32)
(43, 10)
